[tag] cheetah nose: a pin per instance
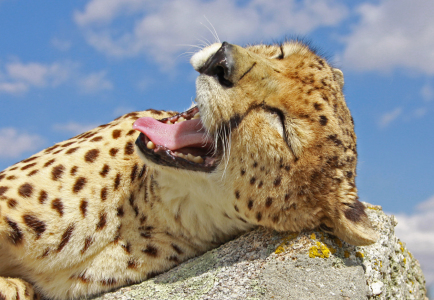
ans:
(221, 65)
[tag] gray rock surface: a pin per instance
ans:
(264, 264)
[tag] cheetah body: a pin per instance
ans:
(97, 211)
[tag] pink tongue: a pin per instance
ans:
(189, 133)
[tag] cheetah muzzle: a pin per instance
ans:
(179, 141)
(270, 143)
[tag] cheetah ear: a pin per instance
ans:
(352, 224)
(338, 76)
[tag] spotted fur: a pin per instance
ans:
(88, 214)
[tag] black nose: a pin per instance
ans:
(221, 65)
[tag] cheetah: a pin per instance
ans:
(269, 143)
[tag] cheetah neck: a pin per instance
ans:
(197, 205)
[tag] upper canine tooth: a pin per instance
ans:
(168, 122)
(181, 119)
(150, 145)
(196, 116)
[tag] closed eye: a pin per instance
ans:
(281, 55)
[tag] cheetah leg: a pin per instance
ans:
(16, 288)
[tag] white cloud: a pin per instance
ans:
(74, 127)
(389, 117)
(18, 77)
(14, 143)
(13, 87)
(390, 34)
(417, 231)
(95, 82)
(162, 29)
(37, 74)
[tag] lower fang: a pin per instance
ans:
(198, 160)
(180, 155)
(150, 145)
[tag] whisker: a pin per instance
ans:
(214, 32)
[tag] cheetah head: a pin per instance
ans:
(272, 121)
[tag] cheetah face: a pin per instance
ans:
(274, 123)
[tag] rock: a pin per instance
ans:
(264, 264)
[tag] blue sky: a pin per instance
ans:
(67, 66)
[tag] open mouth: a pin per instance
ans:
(179, 141)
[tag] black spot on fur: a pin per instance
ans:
(104, 170)
(102, 221)
(73, 170)
(116, 133)
(57, 205)
(131, 132)
(3, 190)
(28, 166)
(250, 204)
(57, 172)
(65, 237)
(72, 150)
(268, 202)
(323, 120)
(87, 242)
(12, 203)
(51, 161)
(252, 180)
(129, 148)
(25, 190)
(177, 249)
(33, 173)
(134, 172)
(29, 159)
(258, 216)
(113, 152)
(48, 150)
(15, 235)
(91, 155)
(127, 247)
(108, 282)
(237, 194)
(120, 211)
(103, 194)
(42, 197)
(79, 184)
(355, 212)
(317, 106)
(83, 207)
(277, 181)
(132, 264)
(142, 171)
(34, 223)
(151, 251)
(117, 181)
(154, 111)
